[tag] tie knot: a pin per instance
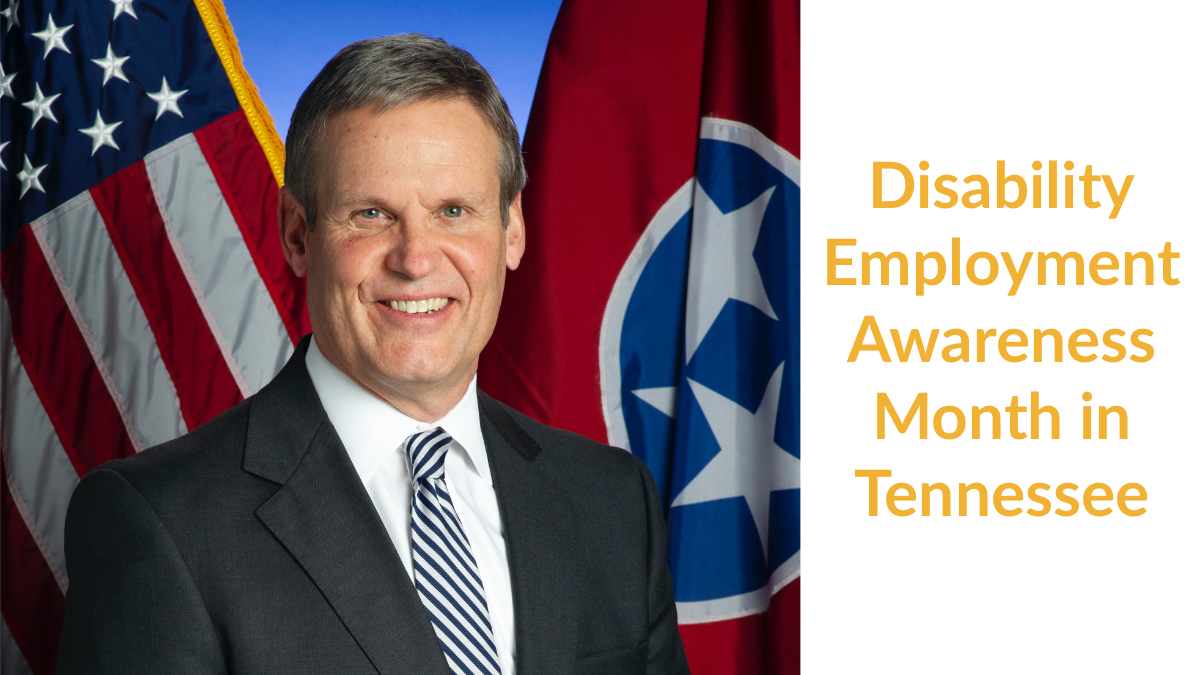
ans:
(426, 452)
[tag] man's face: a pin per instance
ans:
(407, 259)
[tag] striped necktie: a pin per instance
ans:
(444, 570)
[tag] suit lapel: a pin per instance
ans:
(540, 538)
(325, 519)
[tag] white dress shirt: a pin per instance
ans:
(373, 432)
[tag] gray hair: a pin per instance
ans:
(390, 72)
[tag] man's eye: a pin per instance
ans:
(453, 211)
(371, 214)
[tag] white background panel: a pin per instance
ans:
(962, 86)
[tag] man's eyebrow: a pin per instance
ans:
(353, 199)
(349, 199)
(469, 197)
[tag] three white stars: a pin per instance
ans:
(29, 177)
(101, 133)
(40, 105)
(167, 100)
(53, 36)
(112, 66)
(721, 267)
(750, 464)
(721, 264)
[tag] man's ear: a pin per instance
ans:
(293, 231)
(514, 240)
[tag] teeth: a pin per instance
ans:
(428, 306)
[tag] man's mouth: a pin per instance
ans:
(426, 306)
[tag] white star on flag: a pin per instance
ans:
(750, 464)
(29, 177)
(2, 147)
(663, 399)
(6, 84)
(112, 66)
(167, 100)
(123, 7)
(721, 264)
(13, 16)
(40, 105)
(53, 36)
(101, 133)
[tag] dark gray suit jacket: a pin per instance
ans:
(250, 546)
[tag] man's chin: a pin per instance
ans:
(403, 375)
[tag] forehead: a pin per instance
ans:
(447, 133)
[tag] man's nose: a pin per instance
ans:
(415, 252)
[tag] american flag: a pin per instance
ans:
(145, 290)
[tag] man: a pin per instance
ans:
(369, 510)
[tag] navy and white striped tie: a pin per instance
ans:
(444, 570)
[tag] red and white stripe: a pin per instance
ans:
(11, 659)
(130, 314)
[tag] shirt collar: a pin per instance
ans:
(371, 429)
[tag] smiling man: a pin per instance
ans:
(370, 510)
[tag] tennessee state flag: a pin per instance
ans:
(657, 306)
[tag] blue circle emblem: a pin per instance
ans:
(700, 371)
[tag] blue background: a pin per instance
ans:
(285, 44)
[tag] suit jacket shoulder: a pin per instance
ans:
(198, 556)
(186, 470)
(626, 620)
(572, 457)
